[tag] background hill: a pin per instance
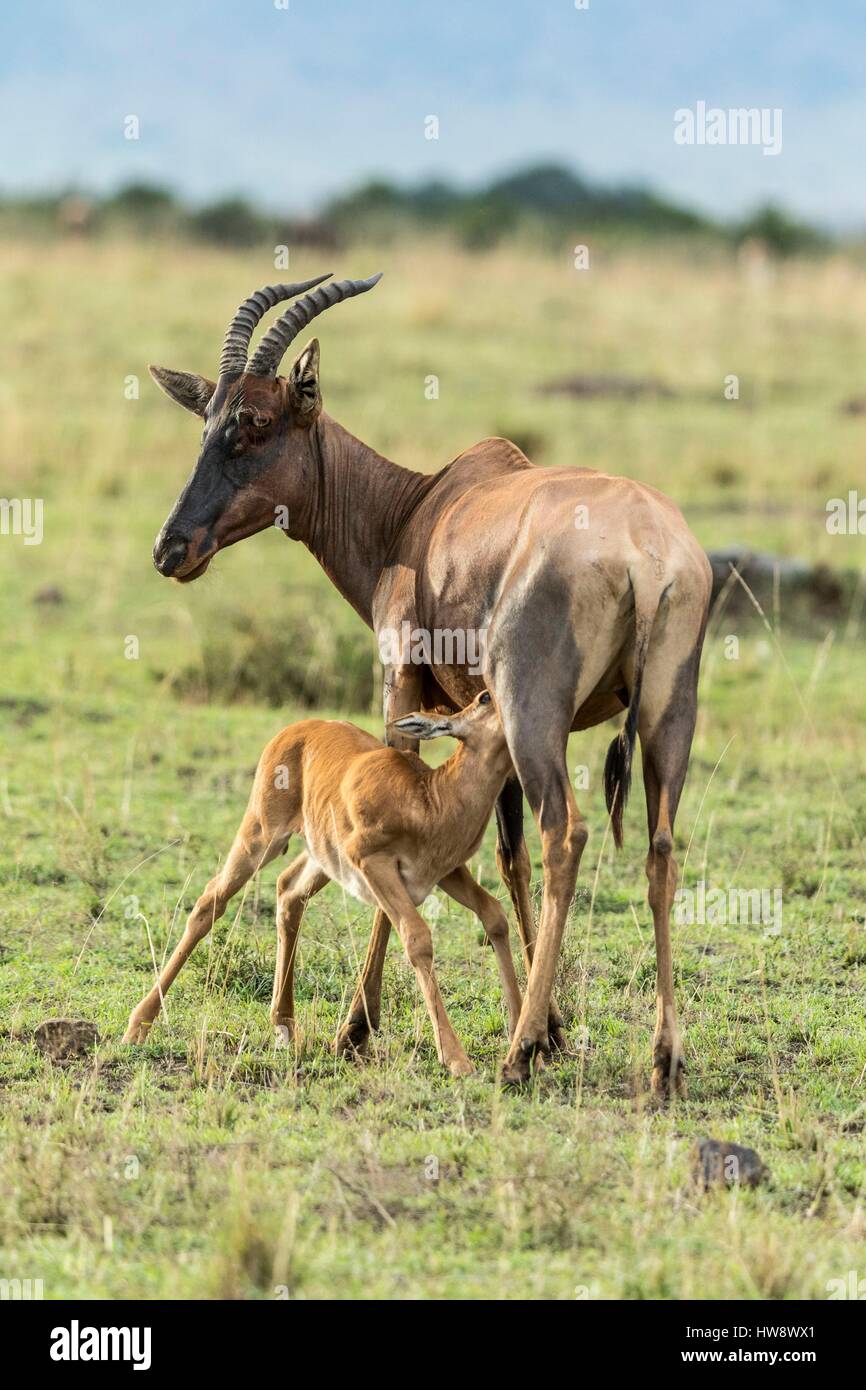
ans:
(546, 202)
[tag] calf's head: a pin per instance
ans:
(257, 428)
(477, 725)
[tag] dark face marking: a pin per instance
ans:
(230, 493)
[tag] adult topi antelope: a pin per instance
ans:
(380, 822)
(590, 589)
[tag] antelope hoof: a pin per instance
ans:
(284, 1034)
(461, 1066)
(557, 1035)
(516, 1074)
(352, 1038)
(518, 1067)
(137, 1030)
(669, 1074)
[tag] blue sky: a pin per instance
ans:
(289, 105)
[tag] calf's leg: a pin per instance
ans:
(401, 694)
(387, 887)
(295, 886)
(249, 853)
(462, 887)
(365, 1008)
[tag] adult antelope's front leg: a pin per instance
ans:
(563, 837)
(512, 859)
(401, 695)
(537, 741)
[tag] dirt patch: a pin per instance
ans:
(589, 386)
(23, 709)
(716, 1163)
(62, 1039)
(811, 593)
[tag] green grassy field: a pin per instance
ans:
(208, 1165)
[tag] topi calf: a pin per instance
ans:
(383, 824)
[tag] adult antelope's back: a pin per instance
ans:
(591, 591)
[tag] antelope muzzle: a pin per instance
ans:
(180, 557)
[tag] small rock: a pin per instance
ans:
(63, 1038)
(716, 1163)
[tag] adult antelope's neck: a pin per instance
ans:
(358, 504)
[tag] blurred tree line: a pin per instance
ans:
(547, 202)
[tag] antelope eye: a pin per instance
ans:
(252, 420)
(485, 698)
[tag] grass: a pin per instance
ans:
(208, 1165)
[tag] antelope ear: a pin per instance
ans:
(189, 390)
(422, 726)
(304, 380)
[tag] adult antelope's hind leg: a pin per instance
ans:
(387, 886)
(462, 887)
(295, 886)
(512, 858)
(665, 748)
(249, 853)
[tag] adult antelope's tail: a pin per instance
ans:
(617, 764)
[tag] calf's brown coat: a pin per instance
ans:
(380, 822)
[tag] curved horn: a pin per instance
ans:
(233, 358)
(269, 352)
